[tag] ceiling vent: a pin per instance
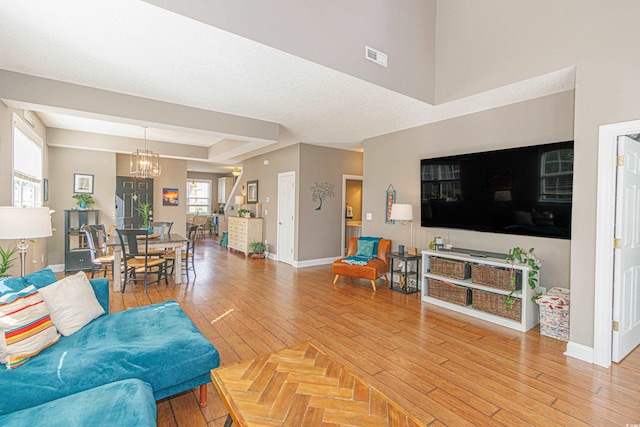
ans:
(375, 56)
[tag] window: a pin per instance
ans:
(199, 199)
(27, 166)
(556, 176)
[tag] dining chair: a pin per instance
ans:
(99, 262)
(188, 254)
(200, 221)
(162, 227)
(136, 258)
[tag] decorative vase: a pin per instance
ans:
(82, 204)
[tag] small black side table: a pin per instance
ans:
(408, 280)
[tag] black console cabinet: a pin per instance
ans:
(76, 250)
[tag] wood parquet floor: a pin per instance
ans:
(444, 368)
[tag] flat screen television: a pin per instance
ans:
(524, 191)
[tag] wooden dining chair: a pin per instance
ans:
(137, 260)
(188, 254)
(101, 259)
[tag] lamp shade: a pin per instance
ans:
(401, 212)
(239, 200)
(24, 223)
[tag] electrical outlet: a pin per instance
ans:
(265, 212)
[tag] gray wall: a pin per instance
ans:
(320, 231)
(544, 120)
(64, 162)
(283, 160)
(501, 42)
(334, 34)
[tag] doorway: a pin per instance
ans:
(605, 233)
(352, 210)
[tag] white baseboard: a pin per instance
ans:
(313, 262)
(56, 268)
(579, 351)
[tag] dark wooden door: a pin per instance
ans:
(130, 192)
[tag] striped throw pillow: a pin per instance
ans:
(25, 326)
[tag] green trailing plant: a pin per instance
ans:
(144, 209)
(257, 247)
(84, 197)
(242, 212)
(522, 256)
(7, 258)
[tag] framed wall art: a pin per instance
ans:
(169, 197)
(390, 200)
(82, 183)
(252, 192)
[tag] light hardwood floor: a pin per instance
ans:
(445, 368)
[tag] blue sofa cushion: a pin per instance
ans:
(39, 279)
(157, 344)
(122, 403)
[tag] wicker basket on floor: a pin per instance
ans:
(446, 267)
(449, 292)
(493, 303)
(494, 277)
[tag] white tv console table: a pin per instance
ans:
(529, 313)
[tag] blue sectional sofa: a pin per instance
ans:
(156, 344)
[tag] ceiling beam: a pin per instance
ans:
(68, 98)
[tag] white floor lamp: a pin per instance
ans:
(22, 224)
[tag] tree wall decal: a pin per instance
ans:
(321, 191)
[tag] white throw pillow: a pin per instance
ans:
(72, 303)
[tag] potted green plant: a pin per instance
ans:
(257, 249)
(525, 257)
(7, 258)
(245, 213)
(83, 199)
(144, 209)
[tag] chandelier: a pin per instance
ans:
(144, 163)
(236, 172)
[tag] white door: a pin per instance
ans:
(286, 216)
(626, 279)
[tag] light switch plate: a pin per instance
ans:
(369, 216)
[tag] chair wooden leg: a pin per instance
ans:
(373, 284)
(336, 279)
(203, 395)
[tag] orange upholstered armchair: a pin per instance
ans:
(374, 269)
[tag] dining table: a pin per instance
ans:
(171, 241)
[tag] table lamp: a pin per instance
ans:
(22, 224)
(403, 212)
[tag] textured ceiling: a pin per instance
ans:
(132, 47)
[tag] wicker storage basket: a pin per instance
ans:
(446, 267)
(494, 277)
(492, 303)
(449, 292)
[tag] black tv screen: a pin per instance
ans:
(525, 191)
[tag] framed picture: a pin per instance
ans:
(252, 192)
(169, 197)
(390, 200)
(82, 183)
